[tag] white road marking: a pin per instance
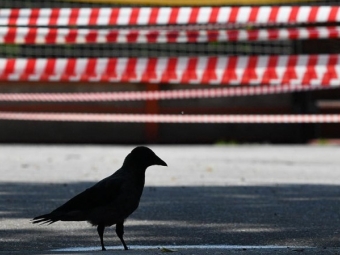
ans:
(200, 247)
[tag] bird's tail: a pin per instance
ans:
(45, 219)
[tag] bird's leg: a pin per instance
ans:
(120, 233)
(100, 230)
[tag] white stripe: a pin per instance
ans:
(283, 14)
(323, 13)
(124, 16)
(83, 16)
(23, 18)
(183, 15)
(104, 16)
(243, 14)
(203, 15)
(63, 17)
(199, 247)
(144, 16)
(303, 14)
(44, 17)
(4, 16)
(263, 14)
(223, 14)
(163, 16)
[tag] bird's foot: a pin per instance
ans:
(103, 249)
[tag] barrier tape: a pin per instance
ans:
(310, 70)
(43, 35)
(181, 118)
(150, 95)
(193, 2)
(134, 16)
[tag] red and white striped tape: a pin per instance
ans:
(309, 70)
(151, 95)
(129, 16)
(180, 118)
(47, 35)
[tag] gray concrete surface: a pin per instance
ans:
(243, 197)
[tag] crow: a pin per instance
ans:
(112, 199)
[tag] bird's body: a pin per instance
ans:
(111, 200)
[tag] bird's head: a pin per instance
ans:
(143, 157)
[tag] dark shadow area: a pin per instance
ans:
(234, 215)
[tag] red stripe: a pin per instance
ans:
(111, 70)
(91, 37)
(73, 16)
(310, 72)
(9, 69)
(293, 34)
(273, 34)
(333, 32)
(290, 72)
(214, 14)
(190, 72)
(54, 17)
(331, 72)
(70, 69)
(172, 36)
(153, 16)
(71, 36)
(132, 36)
(114, 16)
(230, 73)
(313, 14)
(169, 73)
(134, 16)
(34, 17)
(13, 17)
(150, 71)
(233, 15)
(293, 14)
(273, 14)
(194, 15)
(49, 69)
(31, 35)
(51, 36)
(130, 71)
(253, 14)
(233, 35)
(253, 35)
(250, 71)
(94, 16)
(333, 14)
(313, 33)
(29, 69)
(112, 36)
(152, 36)
(192, 36)
(270, 72)
(90, 70)
(11, 35)
(210, 72)
(213, 36)
(173, 15)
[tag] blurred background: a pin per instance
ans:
(169, 72)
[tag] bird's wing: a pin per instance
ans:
(101, 194)
(76, 209)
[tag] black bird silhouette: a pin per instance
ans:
(111, 200)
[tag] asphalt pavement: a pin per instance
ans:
(246, 199)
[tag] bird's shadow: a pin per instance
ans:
(235, 215)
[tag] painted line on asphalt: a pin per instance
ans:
(200, 247)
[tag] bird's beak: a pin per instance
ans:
(160, 162)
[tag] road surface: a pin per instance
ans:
(247, 199)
